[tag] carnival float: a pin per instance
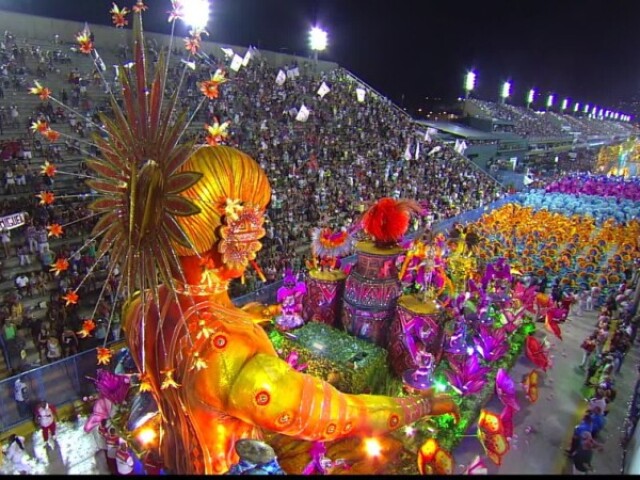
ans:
(378, 359)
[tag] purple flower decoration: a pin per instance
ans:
(491, 343)
(112, 386)
(506, 390)
(467, 376)
(498, 270)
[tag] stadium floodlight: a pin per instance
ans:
(594, 112)
(565, 104)
(616, 116)
(195, 13)
(469, 82)
(318, 39)
(506, 91)
(530, 97)
(586, 108)
(607, 114)
(576, 107)
(550, 101)
(601, 113)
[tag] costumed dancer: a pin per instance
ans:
(124, 459)
(16, 454)
(46, 416)
(112, 440)
(290, 296)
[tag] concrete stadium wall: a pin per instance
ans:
(36, 28)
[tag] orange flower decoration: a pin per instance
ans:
(48, 169)
(39, 126)
(530, 385)
(168, 380)
(71, 298)
(139, 7)
(217, 132)
(117, 16)
(84, 40)
(209, 88)
(51, 135)
(145, 382)
(104, 355)
(55, 230)
(60, 265)
(192, 45)
(491, 436)
(43, 92)
(88, 326)
(46, 198)
(433, 460)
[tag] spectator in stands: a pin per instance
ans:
(5, 238)
(22, 283)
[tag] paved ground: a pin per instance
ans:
(549, 422)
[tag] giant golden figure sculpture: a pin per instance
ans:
(181, 221)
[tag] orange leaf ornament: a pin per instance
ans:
(168, 381)
(118, 16)
(209, 88)
(536, 353)
(43, 92)
(60, 265)
(84, 40)
(55, 230)
(530, 385)
(104, 355)
(51, 135)
(491, 436)
(48, 169)
(88, 326)
(46, 198)
(39, 126)
(71, 298)
(217, 132)
(145, 382)
(433, 459)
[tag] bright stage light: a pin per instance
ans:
(318, 39)
(195, 13)
(506, 90)
(565, 104)
(594, 111)
(147, 435)
(372, 447)
(550, 101)
(586, 108)
(576, 107)
(470, 81)
(531, 96)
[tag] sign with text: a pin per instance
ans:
(13, 221)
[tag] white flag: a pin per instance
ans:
(296, 72)
(407, 152)
(427, 137)
(456, 147)
(463, 147)
(434, 150)
(417, 155)
(236, 63)
(528, 179)
(281, 78)
(323, 90)
(360, 92)
(303, 114)
(117, 69)
(228, 52)
(247, 57)
(191, 65)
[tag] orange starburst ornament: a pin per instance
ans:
(104, 355)
(46, 198)
(55, 230)
(192, 45)
(217, 132)
(51, 135)
(48, 169)
(145, 382)
(71, 298)
(39, 126)
(118, 16)
(209, 88)
(168, 380)
(203, 330)
(84, 40)
(60, 265)
(139, 7)
(43, 92)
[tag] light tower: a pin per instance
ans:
(469, 83)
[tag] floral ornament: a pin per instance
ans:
(117, 16)
(43, 92)
(203, 330)
(48, 169)
(60, 265)
(467, 377)
(491, 435)
(39, 126)
(506, 390)
(536, 352)
(232, 208)
(551, 319)
(71, 298)
(46, 198)
(168, 380)
(476, 467)
(145, 382)
(240, 238)
(217, 132)
(293, 361)
(209, 88)
(51, 135)
(55, 230)
(530, 385)
(88, 326)
(198, 362)
(104, 355)
(139, 7)
(433, 459)
(176, 12)
(491, 343)
(192, 45)
(84, 40)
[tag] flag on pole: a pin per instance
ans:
(463, 147)
(191, 65)
(407, 152)
(303, 114)
(117, 69)
(456, 147)
(247, 57)
(228, 52)
(434, 150)
(236, 63)
(281, 77)
(417, 155)
(427, 137)
(292, 73)
(360, 93)
(323, 90)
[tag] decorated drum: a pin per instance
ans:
(418, 324)
(371, 291)
(323, 301)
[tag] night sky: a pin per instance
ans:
(587, 50)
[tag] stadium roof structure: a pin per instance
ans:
(468, 133)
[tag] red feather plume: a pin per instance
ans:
(388, 220)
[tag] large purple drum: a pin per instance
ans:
(323, 301)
